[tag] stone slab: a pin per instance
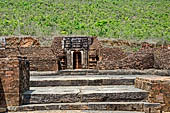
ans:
(116, 106)
(95, 80)
(41, 81)
(84, 94)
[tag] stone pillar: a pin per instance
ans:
(69, 59)
(14, 80)
(85, 59)
(71, 65)
(82, 59)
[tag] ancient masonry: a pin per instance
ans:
(83, 73)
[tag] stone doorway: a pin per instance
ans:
(77, 63)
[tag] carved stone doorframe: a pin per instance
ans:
(83, 58)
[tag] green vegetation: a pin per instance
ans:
(123, 19)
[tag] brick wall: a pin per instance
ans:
(2, 53)
(23, 41)
(162, 58)
(109, 57)
(159, 90)
(40, 58)
(57, 46)
(115, 58)
(14, 80)
(143, 59)
(12, 51)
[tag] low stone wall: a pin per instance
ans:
(159, 90)
(14, 80)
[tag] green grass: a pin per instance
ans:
(123, 19)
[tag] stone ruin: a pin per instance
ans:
(20, 55)
(84, 53)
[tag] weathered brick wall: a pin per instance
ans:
(14, 80)
(162, 58)
(143, 59)
(40, 58)
(149, 56)
(23, 41)
(95, 44)
(109, 57)
(159, 90)
(115, 58)
(57, 46)
(111, 54)
(2, 53)
(12, 51)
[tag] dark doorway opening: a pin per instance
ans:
(77, 60)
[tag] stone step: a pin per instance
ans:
(114, 106)
(78, 72)
(102, 72)
(43, 81)
(70, 94)
(78, 111)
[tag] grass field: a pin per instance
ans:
(123, 19)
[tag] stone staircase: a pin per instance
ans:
(65, 91)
